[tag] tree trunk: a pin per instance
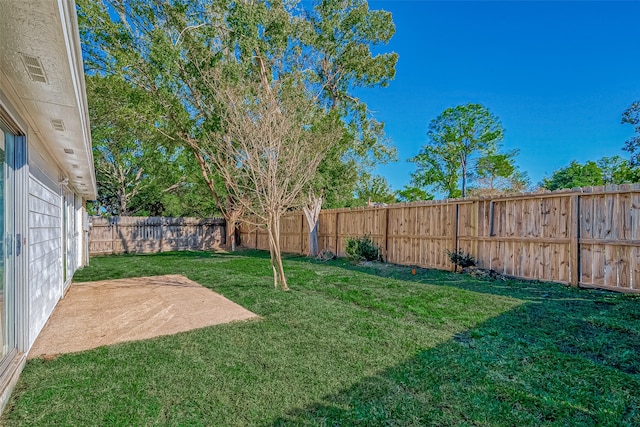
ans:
(124, 206)
(231, 217)
(313, 240)
(312, 214)
(272, 259)
(279, 277)
(231, 235)
(464, 179)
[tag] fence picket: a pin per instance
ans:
(153, 234)
(583, 237)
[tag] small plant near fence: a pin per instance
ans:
(461, 259)
(362, 248)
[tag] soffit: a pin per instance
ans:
(44, 34)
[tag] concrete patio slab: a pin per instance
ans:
(94, 314)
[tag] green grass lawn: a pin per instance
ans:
(351, 345)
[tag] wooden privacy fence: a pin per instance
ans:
(118, 235)
(588, 237)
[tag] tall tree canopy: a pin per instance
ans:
(178, 51)
(497, 173)
(167, 47)
(373, 189)
(411, 193)
(139, 172)
(607, 170)
(574, 175)
(618, 170)
(458, 136)
(632, 116)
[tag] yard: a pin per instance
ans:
(353, 346)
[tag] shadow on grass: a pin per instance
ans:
(566, 356)
(558, 356)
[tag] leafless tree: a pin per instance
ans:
(275, 137)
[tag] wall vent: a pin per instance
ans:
(34, 68)
(75, 166)
(57, 124)
(68, 150)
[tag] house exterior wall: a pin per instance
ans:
(72, 234)
(43, 284)
(79, 233)
(45, 241)
(48, 186)
(48, 261)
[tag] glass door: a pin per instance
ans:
(7, 279)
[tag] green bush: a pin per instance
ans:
(461, 258)
(362, 249)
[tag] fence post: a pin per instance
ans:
(455, 233)
(161, 234)
(491, 221)
(113, 237)
(336, 224)
(256, 237)
(574, 242)
(385, 236)
(202, 228)
(475, 213)
(302, 233)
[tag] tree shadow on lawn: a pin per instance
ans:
(562, 356)
(565, 356)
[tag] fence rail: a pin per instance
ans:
(588, 237)
(117, 235)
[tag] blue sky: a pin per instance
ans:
(557, 74)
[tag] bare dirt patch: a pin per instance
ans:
(94, 314)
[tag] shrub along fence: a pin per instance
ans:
(117, 235)
(584, 237)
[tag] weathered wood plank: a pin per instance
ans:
(598, 263)
(545, 236)
(624, 262)
(574, 244)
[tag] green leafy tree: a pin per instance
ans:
(412, 193)
(139, 171)
(491, 168)
(617, 170)
(177, 188)
(632, 116)
(123, 150)
(187, 55)
(496, 173)
(172, 50)
(607, 170)
(458, 136)
(341, 34)
(437, 170)
(574, 175)
(373, 189)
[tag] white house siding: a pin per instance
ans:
(72, 234)
(45, 32)
(79, 248)
(45, 243)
